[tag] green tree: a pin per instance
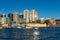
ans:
(47, 22)
(38, 21)
(0, 22)
(33, 21)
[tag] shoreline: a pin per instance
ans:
(32, 27)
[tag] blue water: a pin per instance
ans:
(28, 34)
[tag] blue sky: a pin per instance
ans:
(45, 8)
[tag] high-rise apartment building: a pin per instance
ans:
(26, 15)
(2, 15)
(7, 20)
(10, 16)
(33, 15)
(15, 17)
(21, 18)
(2, 19)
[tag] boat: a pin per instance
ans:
(1, 27)
(28, 27)
(36, 27)
(19, 27)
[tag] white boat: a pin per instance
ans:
(36, 27)
(1, 27)
(19, 27)
(28, 27)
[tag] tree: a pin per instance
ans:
(38, 21)
(33, 21)
(0, 22)
(47, 22)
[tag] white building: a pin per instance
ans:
(26, 15)
(33, 15)
(52, 20)
(15, 17)
(2, 20)
(42, 20)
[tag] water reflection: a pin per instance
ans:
(36, 33)
(30, 34)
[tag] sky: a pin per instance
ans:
(44, 8)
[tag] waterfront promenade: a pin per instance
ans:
(35, 25)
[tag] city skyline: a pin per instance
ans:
(45, 8)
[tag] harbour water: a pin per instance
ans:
(30, 34)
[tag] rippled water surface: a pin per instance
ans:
(30, 34)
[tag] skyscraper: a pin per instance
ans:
(26, 15)
(33, 15)
(16, 17)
